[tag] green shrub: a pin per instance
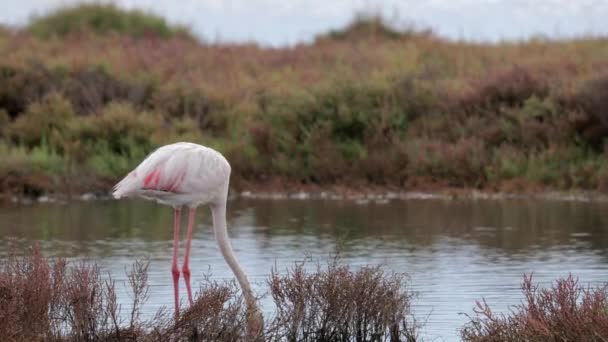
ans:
(565, 167)
(122, 127)
(506, 163)
(44, 122)
(105, 162)
(102, 19)
(120, 136)
(320, 135)
(30, 172)
(365, 26)
(180, 101)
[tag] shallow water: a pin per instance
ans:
(455, 251)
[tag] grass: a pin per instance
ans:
(368, 105)
(58, 301)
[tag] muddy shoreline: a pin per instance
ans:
(376, 195)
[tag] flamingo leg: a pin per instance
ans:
(186, 268)
(174, 268)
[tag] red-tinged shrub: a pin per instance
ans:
(55, 301)
(567, 311)
(337, 303)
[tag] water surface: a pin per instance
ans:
(455, 251)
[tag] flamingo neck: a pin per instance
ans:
(218, 212)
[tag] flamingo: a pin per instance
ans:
(186, 174)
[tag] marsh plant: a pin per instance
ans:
(56, 300)
(335, 303)
(46, 300)
(566, 311)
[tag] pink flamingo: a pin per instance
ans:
(187, 174)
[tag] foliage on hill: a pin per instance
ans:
(77, 112)
(102, 19)
(366, 26)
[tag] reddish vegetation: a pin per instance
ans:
(338, 304)
(55, 301)
(567, 311)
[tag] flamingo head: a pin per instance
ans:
(255, 323)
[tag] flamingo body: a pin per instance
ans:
(180, 174)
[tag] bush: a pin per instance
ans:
(506, 163)
(119, 137)
(90, 88)
(21, 87)
(366, 26)
(102, 19)
(45, 122)
(591, 100)
(339, 304)
(122, 126)
(321, 136)
(508, 88)
(567, 311)
(459, 164)
(29, 172)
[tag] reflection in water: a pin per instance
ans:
(455, 251)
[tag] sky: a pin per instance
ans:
(281, 22)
